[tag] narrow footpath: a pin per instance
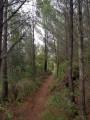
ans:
(32, 109)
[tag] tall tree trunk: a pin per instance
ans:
(45, 62)
(88, 14)
(57, 54)
(33, 54)
(88, 23)
(71, 86)
(4, 61)
(1, 26)
(81, 65)
(55, 49)
(66, 36)
(33, 39)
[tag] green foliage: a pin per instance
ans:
(63, 67)
(23, 88)
(48, 115)
(49, 72)
(75, 68)
(62, 71)
(28, 72)
(59, 107)
(8, 115)
(45, 7)
(40, 70)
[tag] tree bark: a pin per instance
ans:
(81, 64)
(33, 54)
(4, 61)
(1, 26)
(66, 35)
(45, 62)
(57, 57)
(71, 86)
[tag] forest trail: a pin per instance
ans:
(32, 109)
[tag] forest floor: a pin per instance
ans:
(33, 107)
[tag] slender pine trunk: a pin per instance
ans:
(4, 61)
(81, 64)
(33, 54)
(57, 57)
(1, 27)
(45, 62)
(71, 86)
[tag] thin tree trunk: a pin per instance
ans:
(55, 50)
(71, 86)
(88, 13)
(33, 54)
(88, 17)
(81, 64)
(33, 39)
(57, 57)
(1, 26)
(4, 61)
(66, 36)
(45, 62)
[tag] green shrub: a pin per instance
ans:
(49, 72)
(62, 71)
(59, 107)
(63, 66)
(50, 115)
(8, 115)
(75, 68)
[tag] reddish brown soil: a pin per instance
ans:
(32, 109)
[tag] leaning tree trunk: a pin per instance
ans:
(4, 61)
(1, 26)
(81, 65)
(71, 87)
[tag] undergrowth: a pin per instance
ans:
(22, 88)
(59, 106)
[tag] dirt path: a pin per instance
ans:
(32, 109)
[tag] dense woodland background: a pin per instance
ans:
(40, 37)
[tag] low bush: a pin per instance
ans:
(18, 90)
(59, 107)
(62, 70)
(49, 72)
(75, 69)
